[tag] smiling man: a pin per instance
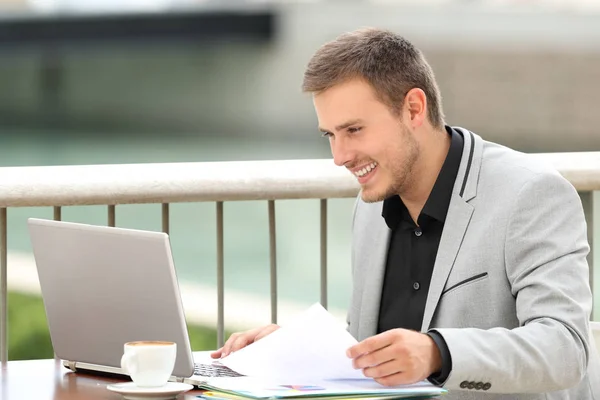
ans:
(468, 258)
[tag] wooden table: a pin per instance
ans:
(48, 379)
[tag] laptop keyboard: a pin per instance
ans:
(214, 370)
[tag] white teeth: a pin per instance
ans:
(365, 170)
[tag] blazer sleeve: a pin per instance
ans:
(545, 259)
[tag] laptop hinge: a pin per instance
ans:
(72, 365)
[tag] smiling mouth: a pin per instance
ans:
(361, 173)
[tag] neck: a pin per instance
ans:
(434, 145)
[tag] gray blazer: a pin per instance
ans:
(510, 287)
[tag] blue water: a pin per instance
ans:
(193, 225)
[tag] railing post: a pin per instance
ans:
(591, 207)
(324, 253)
(57, 217)
(220, 278)
(273, 257)
(111, 215)
(57, 213)
(165, 218)
(3, 289)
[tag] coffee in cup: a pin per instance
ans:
(149, 363)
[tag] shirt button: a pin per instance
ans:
(416, 286)
(418, 232)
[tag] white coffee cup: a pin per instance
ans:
(149, 363)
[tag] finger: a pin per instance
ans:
(400, 378)
(369, 345)
(240, 342)
(372, 359)
(266, 331)
(251, 336)
(385, 369)
(217, 353)
(226, 349)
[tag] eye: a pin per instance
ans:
(354, 129)
(326, 134)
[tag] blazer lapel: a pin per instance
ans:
(457, 221)
(378, 242)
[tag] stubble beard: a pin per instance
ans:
(400, 169)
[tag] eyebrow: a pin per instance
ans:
(344, 125)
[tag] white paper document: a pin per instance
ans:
(311, 347)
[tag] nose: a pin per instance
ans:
(341, 151)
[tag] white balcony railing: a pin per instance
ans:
(164, 184)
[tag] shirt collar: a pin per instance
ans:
(438, 201)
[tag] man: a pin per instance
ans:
(469, 259)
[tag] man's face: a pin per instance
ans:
(367, 138)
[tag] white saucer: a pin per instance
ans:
(132, 392)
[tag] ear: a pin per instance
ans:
(415, 104)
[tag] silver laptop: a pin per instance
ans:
(103, 287)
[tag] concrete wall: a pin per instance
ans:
(529, 80)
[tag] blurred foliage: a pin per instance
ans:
(28, 336)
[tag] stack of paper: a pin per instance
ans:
(306, 358)
(252, 388)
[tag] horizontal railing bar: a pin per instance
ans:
(173, 183)
(215, 181)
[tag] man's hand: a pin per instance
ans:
(242, 339)
(396, 357)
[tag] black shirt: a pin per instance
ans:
(413, 249)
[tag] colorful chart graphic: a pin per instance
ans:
(303, 388)
(296, 388)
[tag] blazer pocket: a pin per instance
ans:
(465, 281)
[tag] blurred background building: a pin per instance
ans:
(106, 81)
(521, 72)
